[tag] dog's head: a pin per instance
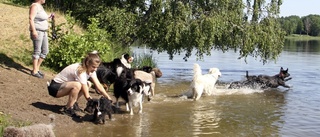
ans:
(157, 72)
(147, 69)
(138, 86)
(215, 71)
(128, 58)
(92, 104)
(284, 73)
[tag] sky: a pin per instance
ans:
(299, 7)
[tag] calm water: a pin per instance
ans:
(242, 112)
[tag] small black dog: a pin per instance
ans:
(99, 108)
(263, 81)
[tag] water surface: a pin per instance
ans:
(242, 112)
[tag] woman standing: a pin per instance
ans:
(38, 20)
(73, 81)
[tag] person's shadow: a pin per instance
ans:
(57, 109)
(8, 63)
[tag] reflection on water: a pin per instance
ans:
(311, 46)
(229, 112)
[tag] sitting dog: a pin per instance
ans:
(203, 83)
(37, 130)
(263, 81)
(99, 108)
(138, 89)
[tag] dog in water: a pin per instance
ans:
(138, 89)
(107, 72)
(100, 108)
(263, 81)
(203, 84)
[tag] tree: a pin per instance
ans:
(175, 26)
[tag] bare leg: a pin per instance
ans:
(36, 65)
(72, 89)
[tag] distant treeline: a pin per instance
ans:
(306, 25)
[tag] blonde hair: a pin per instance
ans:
(92, 58)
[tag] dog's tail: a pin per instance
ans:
(196, 71)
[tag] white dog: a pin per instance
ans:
(203, 84)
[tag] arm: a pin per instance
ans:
(32, 14)
(85, 90)
(100, 88)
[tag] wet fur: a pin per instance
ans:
(263, 81)
(100, 108)
(138, 89)
(203, 83)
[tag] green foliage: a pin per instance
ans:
(71, 47)
(144, 60)
(176, 26)
(4, 122)
(308, 25)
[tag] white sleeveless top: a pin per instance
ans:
(41, 18)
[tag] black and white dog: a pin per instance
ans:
(138, 89)
(263, 81)
(100, 108)
(107, 72)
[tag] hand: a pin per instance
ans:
(51, 15)
(34, 35)
(89, 98)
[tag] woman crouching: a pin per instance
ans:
(73, 81)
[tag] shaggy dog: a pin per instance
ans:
(263, 81)
(100, 108)
(147, 77)
(138, 89)
(203, 83)
(37, 130)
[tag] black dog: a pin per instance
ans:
(99, 108)
(263, 81)
(105, 76)
(107, 72)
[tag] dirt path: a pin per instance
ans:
(25, 98)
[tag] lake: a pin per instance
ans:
(230, 112)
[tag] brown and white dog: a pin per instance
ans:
(146, 76)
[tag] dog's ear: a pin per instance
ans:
(281, 69)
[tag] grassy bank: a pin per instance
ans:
(301, 37)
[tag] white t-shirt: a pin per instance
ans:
(69, 73)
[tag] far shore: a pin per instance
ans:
(301, 37)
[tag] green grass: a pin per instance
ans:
(301, 37)
(5, 121)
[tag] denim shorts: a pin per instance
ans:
(53, 88)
